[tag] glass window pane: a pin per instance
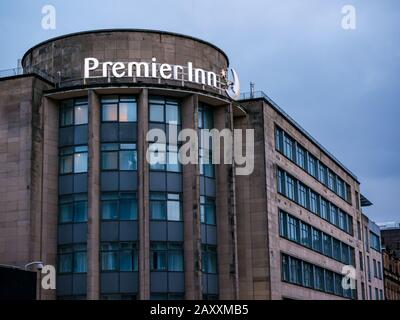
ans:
(109, 161)
(210, 214)
(80, 212)
(110, 112)
(127, 160)
(208, 119)
(109, 261)
(157, 210)
(212, 262)
(172, 114)
(66, 164)
(175, 261)
(159, 260)
(156, 113)
(109, 99)
(128, 209)
(126, 261)
(81, 114)
(66, 116)
(127, 112)
(80, 262)
(174, 210)
(80, 162)
(109, 210)
(66, 212)
(172, 162)
(65, 263)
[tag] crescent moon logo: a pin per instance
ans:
(233, 89)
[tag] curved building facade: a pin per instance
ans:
(79, 189)
(127, 229)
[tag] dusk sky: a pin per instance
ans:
(341, 85)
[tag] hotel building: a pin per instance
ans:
(77, 192)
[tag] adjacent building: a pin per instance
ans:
(77, 191)
(391, 272)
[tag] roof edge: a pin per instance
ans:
(68, 35)
(304, 132)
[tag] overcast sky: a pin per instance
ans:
(341, 85)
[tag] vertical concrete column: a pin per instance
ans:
(49, 189)
(93, 237)
(143, 197)
(191, 209)
(226, 214)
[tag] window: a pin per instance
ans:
(207, 210)
(205, 163)
(361, 260)
(164, 111)
(164, 157)
(322, 177)
(305, 234)
(358, 230)
(317, 240)
(357, 200)
(289, 147)
(72, 208)
(295, 270)
(283, 224)
(311, 276)
(327, 243)
(370, 292)
(209, 259)
(165, 206)
(118, 156)
(301, 156)
(119, 206)
(345, 254)
(74, 112)
(375, 241)
(285, 268)
(292, 229)
(375, 268)
(331, 181)
(363, 291)
(369, 269)
(379, 270)
(72, 258)
(312, 165)
(281, 182)
(334, 215)
(73, 159)
(119, 256)
(290, 187)
(319, 278)
(342, 220)
(303, 195)
(381, 294)
(314, 202)
(278, 139)
(166, 256)
(329, 281)
(308, 275)
(324, 209)
(341, 188)
(296, 191)
(376, 294)
(118, 108)
(337, 251)
(366, 239)
(338, 285)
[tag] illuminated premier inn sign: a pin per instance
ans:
(95, 69)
